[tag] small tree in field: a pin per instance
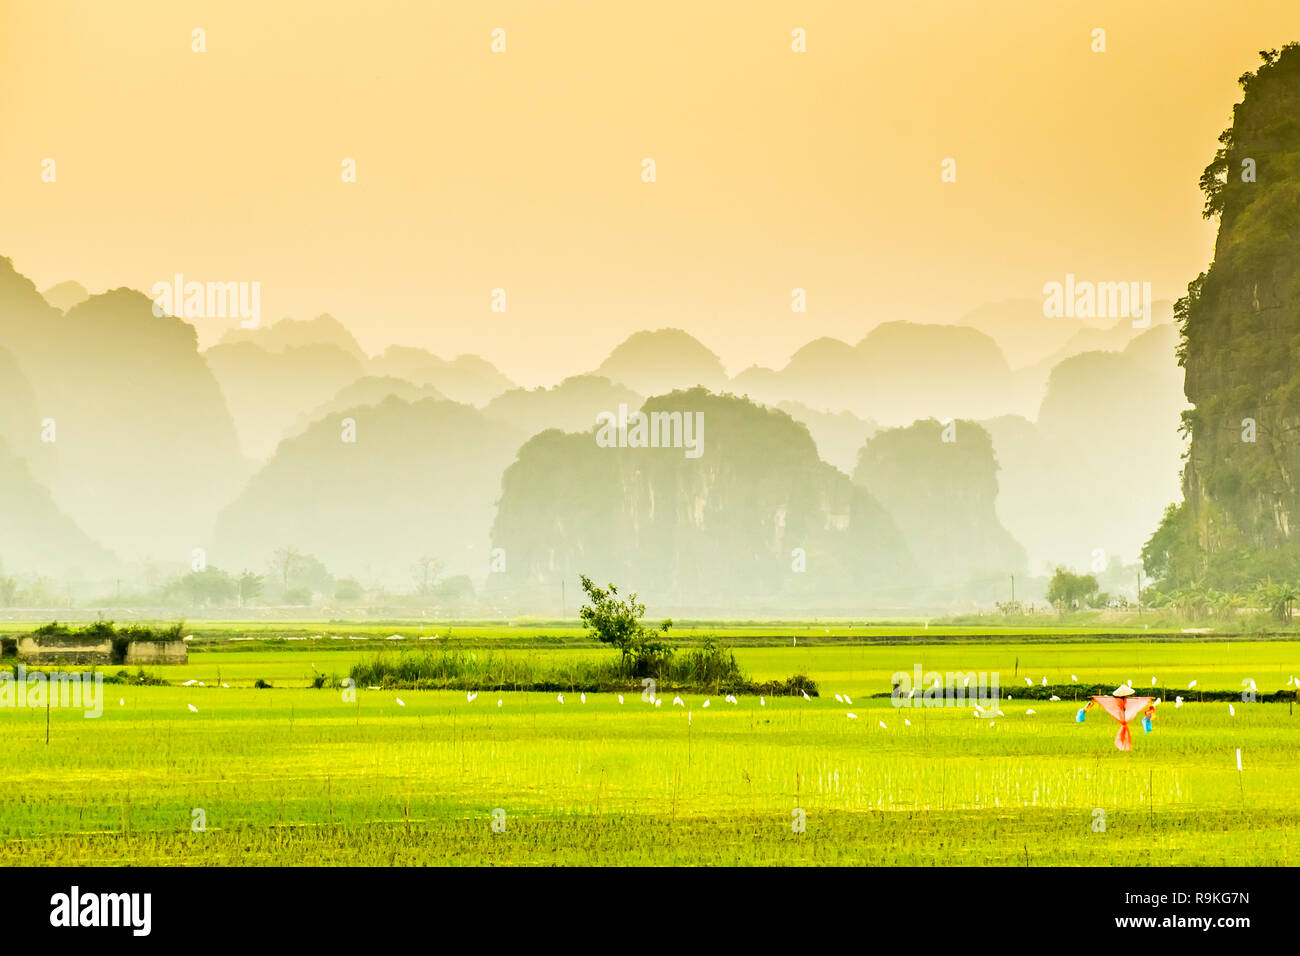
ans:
(619, 623)
(1068, 590)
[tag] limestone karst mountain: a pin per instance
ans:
(66, 295)
(839, 435)
(1087, 481)
(36, 538)
(367, 390)
(296, 333)
(653, 363)
(939, 482)
(136, 443)
(409, 480)
(570, 406)
(267, 390)
(466, 378)
(756, 520)
(1241, 332)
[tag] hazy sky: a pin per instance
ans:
(522, 170)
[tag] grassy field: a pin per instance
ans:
(294, 775)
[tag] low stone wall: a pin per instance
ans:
(157, 652)
(63, 650)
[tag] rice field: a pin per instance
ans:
(298, 776)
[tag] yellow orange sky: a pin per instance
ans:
(522, 170)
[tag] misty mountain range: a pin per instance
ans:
(915, 461)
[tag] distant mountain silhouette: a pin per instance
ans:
(898, 373)
(143, 447)
(20, 418)
(36, 538)
(570, 406)
(420, 479)
(839, 435)
(466, 378)
(367, 390)
(826, 373)
(942, 371)
(268, 390)
(1090, 479)
(297, 333)
(652, 363)
(66, 295)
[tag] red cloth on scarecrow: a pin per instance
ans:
(1125, 709)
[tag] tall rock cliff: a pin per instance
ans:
(1240, 519)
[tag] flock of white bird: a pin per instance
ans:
(989, 714)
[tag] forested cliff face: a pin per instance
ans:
(1240, 321)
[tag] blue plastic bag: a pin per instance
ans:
(1146, 724)
(1078, 718)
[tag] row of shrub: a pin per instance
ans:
(708, 669)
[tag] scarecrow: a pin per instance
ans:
(1123, 706)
